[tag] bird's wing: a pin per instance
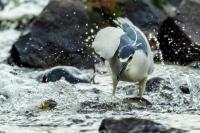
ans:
(136, 35)
(107, 41)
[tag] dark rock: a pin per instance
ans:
(185, 89)
(195, 64)
(179, 36)
(134, 125)
(48, 104)
(168, 87)
(156, 56)
(143, 14)
(70, 74)
(154, 84)
(57, 37)
(167, 95)
(76, 121)
(1, 5)
(137, 100)
(189, 19)
(92, 106)
(127, 90)
(175, 3)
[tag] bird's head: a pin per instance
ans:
(125, 55)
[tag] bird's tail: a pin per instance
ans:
(120, 21)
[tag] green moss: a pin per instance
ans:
(159, 3)
(47, 105)
(112, 9)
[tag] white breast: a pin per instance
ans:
(138, 67)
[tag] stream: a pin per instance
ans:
(81, 107)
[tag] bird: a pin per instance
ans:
(128, 52)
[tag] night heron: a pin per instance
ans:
(128, 52)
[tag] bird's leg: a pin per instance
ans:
(115, 82)
(142, 86)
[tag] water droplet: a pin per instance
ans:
(92, 31)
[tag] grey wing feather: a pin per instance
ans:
(125, 40)
(137, 37)
(130, 31)
(140, 38)
(142, 43)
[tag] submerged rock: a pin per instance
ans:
(96, 106)
(3, 97)
(179, 36)
(70, 74)
(154, 84)
(185, 89)
(143, 14)
(195, 64)
(136, 100)
(48, 104)
(134, 125)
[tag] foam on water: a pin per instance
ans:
(16, 9)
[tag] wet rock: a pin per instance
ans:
(167, 95)
(134, 125)
(168, 87)
(48, 104)
(189, 19)
(1, 5)
(179, 36)
(70, 74)
(76, 121)
(108, 7)
(3, 97)
(96, 91)
(137, 100)
(92, 106)
(157, 56)
(127, 90)
(185, 89)
(57, 37)
(195, 64)
(154, 84)
(143, 14)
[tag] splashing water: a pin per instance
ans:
(81, 107)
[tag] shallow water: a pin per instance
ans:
(81, 107)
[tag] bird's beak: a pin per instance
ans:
(122, 68)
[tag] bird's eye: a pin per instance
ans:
(130, 58)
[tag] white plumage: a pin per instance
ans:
(107, 41)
